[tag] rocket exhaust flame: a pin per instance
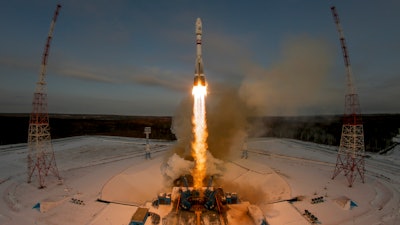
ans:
(199, 143)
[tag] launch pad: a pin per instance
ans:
(205, 205)
(191, 206)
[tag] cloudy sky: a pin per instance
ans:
(136, 57)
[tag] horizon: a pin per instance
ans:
(250, 116)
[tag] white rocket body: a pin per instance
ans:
(199, 78)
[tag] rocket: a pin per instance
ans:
(199, 78)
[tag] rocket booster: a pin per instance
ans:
(199, 78)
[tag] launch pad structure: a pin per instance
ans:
(351, 153)
(41, 159)
(204, 202)
(188, 205)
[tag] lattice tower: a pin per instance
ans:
(41, 157)
(351, 153)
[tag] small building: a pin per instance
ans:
(140, 216)
(345, 202)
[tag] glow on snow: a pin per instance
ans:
(199, 143)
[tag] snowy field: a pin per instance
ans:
(114, 169)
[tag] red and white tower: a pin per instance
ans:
(350, 158)
(41, 158)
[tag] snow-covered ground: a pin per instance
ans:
(114, 169)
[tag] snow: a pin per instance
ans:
(127, 187)
(284, 213)
(256, 214)
(115, 170)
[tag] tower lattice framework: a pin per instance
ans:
(351, 153)
(41, 159)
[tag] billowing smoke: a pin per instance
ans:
(227, 127)
(227, 122)
(253, 194)
(182, 127)
(176, 166)
(295, 82)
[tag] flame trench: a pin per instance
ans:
(199, 143)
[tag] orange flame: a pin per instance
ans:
(199, 143)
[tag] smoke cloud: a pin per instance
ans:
(296, 81)
(254, 194)
(227, 122)
(182, 127)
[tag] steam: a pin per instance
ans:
(254, 194)
(176, 166)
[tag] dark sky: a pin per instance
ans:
(137, 57)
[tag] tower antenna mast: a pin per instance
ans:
(350, 158)
(41, 157)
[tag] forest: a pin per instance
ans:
(378, 129)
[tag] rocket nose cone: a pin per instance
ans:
(198, 26)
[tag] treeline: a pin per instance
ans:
(15, 126)
(378, 129)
